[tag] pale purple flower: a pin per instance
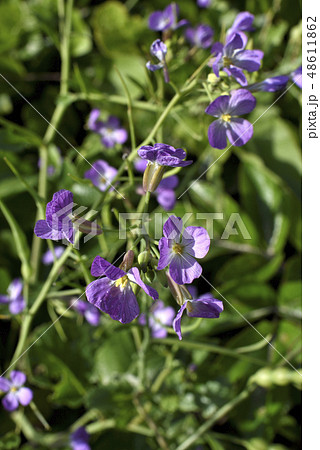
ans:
(200, 36)
(233, 58)
(179, 250)
(205, 306)
(110, 130)
(14, 298)
(271, 84)
(160, 316)
(112, 292)
(166, 19)
(243, 22)
(48, 257)
(164, 155)
(58, 224)
(88, 311)
(16, 393)
(101, 174)
(296, 76)
(204, 3)
(79, 439)
(226, 108)
(159, 50)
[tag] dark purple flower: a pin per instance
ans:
(243, 22)
(16, 393)
(109, 130)
(204, 3)
(271, 84)
(160, 316)
(159, 50)
(296, 76)
(179, 250)
(101, 174)
(200, 36)
(113, 293)
(79, 439)
(205, 306)
(58, 224)
(225, 108)
(14, 298)
(233, 58)
(88, 311)
(166, 19)
(48, 257)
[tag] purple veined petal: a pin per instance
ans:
(166, 254)
(134, 276)
(158, 49)
(237, 74)
(271, 84)
(25, 396)
(236, 42)
(168, 183)
(101, 267)
(4, 299)
(10, 401)
(239, 131)
(17, 305)
(122, 304)
(147, 152)
(18, 378)
(172, 228)
(219, 106)
(92, 315)
(217, 134)
(241, 102)
(62, 201)
(249, 60)
(93, 123)
(5, 384)
(166, 198)
(172, 161)
(206, 307)
(43, 231)
(196, 241)
(120, 135)
(15, 288)
(140, 165)
(217, 49)
(97, 292)
(184, 269)
(243, 22)
(177, 321)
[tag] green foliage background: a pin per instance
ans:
(222, 387)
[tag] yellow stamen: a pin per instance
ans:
(122, 282)
(226, 61)
(226, 117)
(178, 248)
(13, 389)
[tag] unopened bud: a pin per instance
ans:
(179, 292)
(144, 259)
(127, 261)
(152, 176)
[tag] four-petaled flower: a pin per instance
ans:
(225, 108)
(159, 50)
(16, 393)
(166, 19)
(160, 317)
(14, 298)
(112, 292)
(200, 36)
(233, 58)
(58, 224)
(178, 250)
(271, 84)
(205, 306)
(48, 257)
(101, 174)
(79, 439)
(110, 130)
(88, 311)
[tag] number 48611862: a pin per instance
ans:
(311, 58)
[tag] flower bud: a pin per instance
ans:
(152, 176)
(127, 261)
(179, 292)
(143, 259)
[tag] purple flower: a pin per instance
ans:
(110, 130)
(296, 76)
(14, 298)
(205, 306)
(204, 3)
(225, 108)
(271, 84)
(243, 22)
(16, 393)
(79, 439)
(101, 174)
(161, 316)
(167, 19)
(159, 50)
(48, 258)
(200, 36)
(58, 224)
(113, 293)
(178, 250)
(88, 311)
(233, 58)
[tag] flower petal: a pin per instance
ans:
(241, 102)
(237, 74)
(134, 271)
(166, 198)
(219, 106)
(122, 305)
(25, 395)
(18, 378)
(196, 241)
(235, 42)
(15, 288)
(17, 305)
(101, 267)
(43, 231)
(10, 401)
(166, 254)
(184, 269)
(4, 299)
(249, 60)
(239, 132)
(97, 292)
(217, 134)
(172, 228)
(4, 384)
(177, 321)
(205, 306)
